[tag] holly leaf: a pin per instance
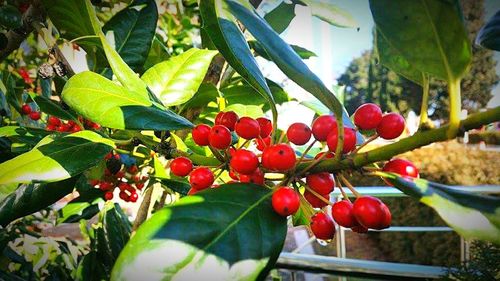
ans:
(54, 159)
(226, 233)
(489, 35)
(331, 13)
(280, 17)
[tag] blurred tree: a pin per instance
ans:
(368, 81)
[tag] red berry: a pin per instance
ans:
(322, 226)
(279, 157)
(181, 166)
(124, 196)
(247, 128)
(322, 183)
(233, 175)
(262, 143)
(201, 178)
(359, 229)
(343, 214)
(63, 128)
(328, 156)
(133, 169)
(218, 117)
(52, 120)
(349, 140)
(400, 166)
(256, 177)
(322, 126)
(133, 197)
(120, 174)
(35, 115)
(220, 137)
(244, 162)
(200, 134)
(228, 119)
(139, 185)
(369, 212)
(94, 182)
(75, 129)
(299, 133)
(106, 186)
(51, 128)
(108, 195)
(391, 126)
(192, 191)
(388, 217)
(266, 127)
(368, 116)
(25, 109)
(315, 201)
(285, 201)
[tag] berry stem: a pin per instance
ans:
(243, 144)
(349, 185)
(370, 139)
(305, 152)
(282, 136)
(312, 165)
(425, 100)
(217, 154)
(315, 193)
(344, 195)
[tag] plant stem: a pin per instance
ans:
(217, 154)
(455, 108)
(142, 213)
(425, 100)
(370, 139)
(305, 152)
(349, 185)
(317, 194)
(344, 195)
(312, 164)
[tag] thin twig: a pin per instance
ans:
(349, 185)
(344, 195)
(305, 152)
(370, 139)
(142, 213)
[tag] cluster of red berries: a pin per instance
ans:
(127, 179)
(56, 124)
(245, 165)
(33, 115)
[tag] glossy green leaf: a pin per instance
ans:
(22, 137)
(10, 17)
(104, 102)
(302, 52)
(54, 160)
(7, 189)
(330, 13)
(416, 30)
(181, 187)
(473, 216)
(176, 80)
(281, 16)
(207, 92)
(390, 56)
(51, 107)
(227, 233)
(157, 53)
(31, 198)
(224, 32)
(245, 94)
(489, 35)
(253, 111)
(285, 58)
(133, 30)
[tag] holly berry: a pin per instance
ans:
(262, 143)
(279, 157)
(201, 178)
(402, 167)
(315, 201)
(192, 191)
(124, 196)
(299, 133)
(133, 197)
(322, 126)
(343, 214)
(108, 195)
(247, 128)
(200, 134)
(266, 127)
(285, 201)
(256, 177)
(75, 129)
(328, 156)
(391, 126)
(181, 166)
(219, 137)
(25, 109)
(227, 119)
(322, 183)
(368, 116)
(359, 229)
(349, 140)
(322, 226)
(370, 213)
(35, 115)
(388, 217)
(244, 162)
(52, 120)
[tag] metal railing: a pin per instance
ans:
(346, 267)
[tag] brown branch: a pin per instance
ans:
(142, 213)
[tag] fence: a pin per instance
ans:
(343, 266)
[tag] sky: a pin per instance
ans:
(336, 47)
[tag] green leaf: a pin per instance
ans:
(229, 233)
(176, 80)
(55, 160)
(245, 94)
(416, 30)
(206, 93)
(31, 198)
(281, 16)
(471, 215)
(10, 17)
(331, 13)
(178, 186)
(157, 53)
(285, 58)
(224, 32)
(51, 107)
(253, 111)
(302, 52)
(489, 35)
(22, 138)
(104, 102)
(7, 189)
(133, 29)
(159, 169)
(391, 57)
